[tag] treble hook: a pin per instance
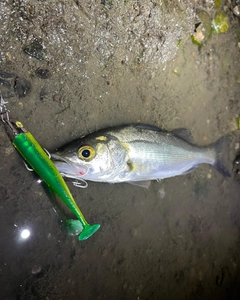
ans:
(3, 110)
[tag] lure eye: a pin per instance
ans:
(86, 153)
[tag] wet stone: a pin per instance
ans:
(7, 75)
(161, 193)
(36, 269)
(236, 10)
(236, 166)
(43, 94)
(108, 3)
(7, 82)
(56, 98)
(35, 49)
(22, 87)
(220, 22)
(43, 73)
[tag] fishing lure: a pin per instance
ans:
(70, 226)
(37, 158)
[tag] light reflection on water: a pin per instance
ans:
(25, 233)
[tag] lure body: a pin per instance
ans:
(37, 158)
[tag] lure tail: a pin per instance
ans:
(88, 231)
(71, 227)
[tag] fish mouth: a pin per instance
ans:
(68, 168)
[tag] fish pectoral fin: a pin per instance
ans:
(144, 184)
(184, 134)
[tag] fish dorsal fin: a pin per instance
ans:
(184, 134)
(144, 184)
(149, 127)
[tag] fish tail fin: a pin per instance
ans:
(220, 148)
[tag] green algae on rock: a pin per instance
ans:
(220, 22)
(203, 30)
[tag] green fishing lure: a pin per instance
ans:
(38, 159)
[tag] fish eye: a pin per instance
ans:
(86, 153)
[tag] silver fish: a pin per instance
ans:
(135, 154)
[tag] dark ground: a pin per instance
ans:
(68, 68)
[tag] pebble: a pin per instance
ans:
(35, 49)
(56, 97)
(22, 87)
(36, 269)
(43, 73)
(161, 193)
(43, 94)
(236, 10)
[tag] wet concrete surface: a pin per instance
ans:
(70, 68)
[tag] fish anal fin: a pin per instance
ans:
(144, 184)
(189, 170)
